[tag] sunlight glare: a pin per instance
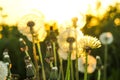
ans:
(59, 10)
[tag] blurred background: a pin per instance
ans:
(94, 17)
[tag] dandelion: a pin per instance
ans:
(89, 42)
(106, 38)
(91, 64)
(64, 55)
(79, 21)
(3, 71)
(34, 24)
(70, 32)
(50, 24)
(67, 41)
(63, 43)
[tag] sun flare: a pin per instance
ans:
(59, 10)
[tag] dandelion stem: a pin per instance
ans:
(61, 73)
(99, 74)
(72, 73)
(41, 60)
(67, 77)
(54, 51)
(76, 67)
(35, 59)
(105, 62)
(86, 65)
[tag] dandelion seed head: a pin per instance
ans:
(34, 22)
(91, 64)
(3, 71)
(106, 38)
(70, 32)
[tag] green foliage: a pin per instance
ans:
(107, 24)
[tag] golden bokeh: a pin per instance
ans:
(0, 36)
(117, 21)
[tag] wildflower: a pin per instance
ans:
(32, 24)
(50, 24)
(64, 55)
(65, 39)
(3, 71)
(88, 43)
(91, 64)
(106, 38)
(70, 32)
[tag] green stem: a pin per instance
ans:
(61, 73)
(35, 61)
(26, 53)
(76, 62)
(51, 64)
(105, 62)
(72, 73)
(76, 67)
(86, 62)
(67, 77)
(62, 70)
(41, 60)
(54, 51)
(99, 74)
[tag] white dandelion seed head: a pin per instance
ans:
(64, 55)
(106, 38)
(3, 71)
(91, 64)
(37, 26)
(70, 32)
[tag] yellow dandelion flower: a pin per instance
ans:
(89, 41)
(51, 24)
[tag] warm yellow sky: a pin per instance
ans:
(52, 9)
